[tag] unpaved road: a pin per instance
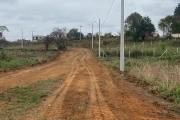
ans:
(91, 91)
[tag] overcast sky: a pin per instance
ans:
(41, 16)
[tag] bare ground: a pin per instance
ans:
(91, 91)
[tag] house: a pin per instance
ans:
(38, 37)
(176, 35)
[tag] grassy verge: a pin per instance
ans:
(21, 98)
(163, 76)
(17, 58)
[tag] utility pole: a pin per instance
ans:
(80, 32)
(92, 37)
(122, 37)
(22, 38)
(32, 36)
(99, 37)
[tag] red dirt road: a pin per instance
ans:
(91, 91)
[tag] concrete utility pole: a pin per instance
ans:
(99, 37)
(32, 36)
(22, 38)
(122, 37)
(80, 32)
(92, 37)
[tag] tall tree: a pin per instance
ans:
(74, 34)
(177, 10)
(138, 26)
(2, 29)
(146, 28)
(166, 24)
(59, 36)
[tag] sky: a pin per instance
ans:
(41, 16)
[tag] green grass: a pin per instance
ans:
(18, 57)
(21, 98)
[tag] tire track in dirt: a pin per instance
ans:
(55, 103)
(98, 109)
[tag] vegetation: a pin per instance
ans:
(21, 98)
(138, 26)
(171, 23)
(177, 10)
(13, 56)
(74, 34)
(2, 29)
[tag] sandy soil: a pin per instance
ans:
(91, 91)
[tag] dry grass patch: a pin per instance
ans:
(164, 76)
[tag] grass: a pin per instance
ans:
(21, 57)
(21, 98)
(163, 76)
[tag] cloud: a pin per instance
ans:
(42, 16)
(8, 1)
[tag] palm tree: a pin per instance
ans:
(2, 29)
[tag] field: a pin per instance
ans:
(13, 56)
(78, 85)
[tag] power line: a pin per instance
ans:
(108, 12)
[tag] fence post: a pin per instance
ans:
(134, 45)
(129, 53)
(177, 50)
(154, 52)
(166, 52)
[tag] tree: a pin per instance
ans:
(165, 25)
(47, 41)
(138, 26)
(177, 10)
(89, 35)
(74, 34)
(59, 37)
(146, 28)
(2, 29)
(108, 35)
(176, 24)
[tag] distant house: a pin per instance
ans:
(38, 37)
(176, 35)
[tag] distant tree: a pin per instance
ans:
(59, 36)
(165, 25)
(176, 24)
(47, 41)
(137, 26)
(146, 28)
(74, 34)
(177, 10)
(2, 29)
(108, 35)
(89, 36)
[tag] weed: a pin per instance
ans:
(21, 98)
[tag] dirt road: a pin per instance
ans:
(90, 91)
